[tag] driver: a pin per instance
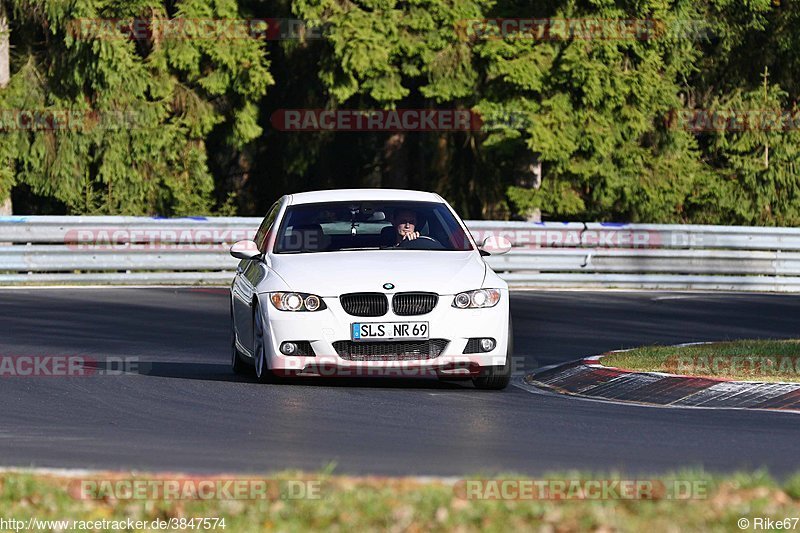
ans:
(405, 223)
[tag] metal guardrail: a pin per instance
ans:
(141, 250)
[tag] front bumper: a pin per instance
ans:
(323, 328)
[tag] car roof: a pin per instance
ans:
(349, 195)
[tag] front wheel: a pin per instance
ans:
(498, 377)
(263, 373)
(237, 365)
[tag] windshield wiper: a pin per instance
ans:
(357, 248)
(300, 251)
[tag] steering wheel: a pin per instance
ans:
(406, 243)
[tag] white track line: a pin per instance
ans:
(71, 473)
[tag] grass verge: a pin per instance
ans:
(743, 360)
(397, 504)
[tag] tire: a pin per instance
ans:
(498, 377)
(237, 365)
(263, 373)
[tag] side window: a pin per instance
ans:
(263, 230)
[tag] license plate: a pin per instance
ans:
(389, 331)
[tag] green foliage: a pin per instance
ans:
(376, 46)
(595, 117)
(761, 159)
(552, 197)
(140, 110)
(181, 126)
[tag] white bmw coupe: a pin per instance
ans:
(369, 282)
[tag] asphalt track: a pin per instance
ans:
(185, 411)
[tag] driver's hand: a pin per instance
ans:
(411, 235)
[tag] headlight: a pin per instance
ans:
(477, 299)
(296, 301)
(312, 302)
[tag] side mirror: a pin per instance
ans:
(494, 245)
(245, 250)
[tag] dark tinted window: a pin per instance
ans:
(263, 230)
(335, 226)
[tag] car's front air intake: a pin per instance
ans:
(414, 303)
(365, 303)
(390, 351)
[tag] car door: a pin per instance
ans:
(248, 274)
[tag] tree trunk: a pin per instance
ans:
(395, 160)
(5, 76)
(5, 48)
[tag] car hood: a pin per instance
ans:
(335, 273)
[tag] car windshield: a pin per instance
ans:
(338, 226)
